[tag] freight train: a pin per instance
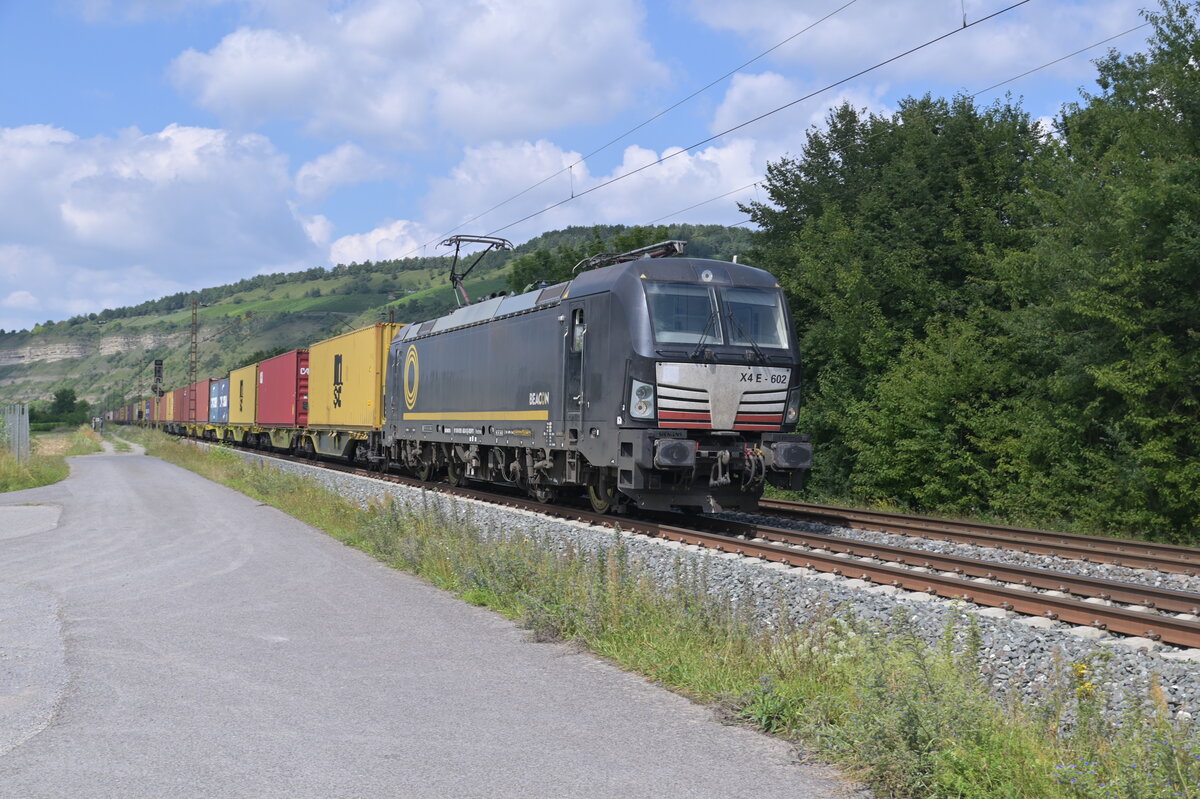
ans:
(649, 382)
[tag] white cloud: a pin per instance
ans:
(113, 220)
(253, 74)
(318, 228)
(667, 181)
(396, 71)
(750, 96)
(395, 239)
(23, 300)
(344, 166)
(866, 33)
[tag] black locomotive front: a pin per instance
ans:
(668, 382)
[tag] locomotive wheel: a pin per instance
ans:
(604, 497)
(456, 472)
(424, 471)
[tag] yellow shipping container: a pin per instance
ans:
(168, 406)
(345, 378)
(243, 394)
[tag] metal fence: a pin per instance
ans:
(14, 430)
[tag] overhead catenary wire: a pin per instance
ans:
(1026, 73)
(760, 117)
(706, 202)
(634, 129)
(1057, 60)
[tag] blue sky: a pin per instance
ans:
(154, 146)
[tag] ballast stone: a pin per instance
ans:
(1039, 622)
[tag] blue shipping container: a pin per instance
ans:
(218, 402)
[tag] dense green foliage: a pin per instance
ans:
(1003, 319)
(64, 409)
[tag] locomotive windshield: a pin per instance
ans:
(756, 317)
(685, 313)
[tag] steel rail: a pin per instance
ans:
(1173, 630)
(1121, 552)
(1149, 597)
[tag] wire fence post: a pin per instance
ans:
(14, 433)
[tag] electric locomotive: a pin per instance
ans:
(656, 382)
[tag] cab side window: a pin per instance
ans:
(577, 330)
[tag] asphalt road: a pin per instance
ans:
(164, 636)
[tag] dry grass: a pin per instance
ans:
(47, 463)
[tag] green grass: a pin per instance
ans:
(333, 303)
(39, 470)
(910, 719)
(47, 464)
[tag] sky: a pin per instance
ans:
(155, 146)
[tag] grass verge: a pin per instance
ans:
(910, 719)
(47, 463)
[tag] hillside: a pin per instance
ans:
(106, 357)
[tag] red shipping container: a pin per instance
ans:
(178, 407)
(195, 402)
(203, 395)
(283, 390)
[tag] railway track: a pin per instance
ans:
(1096, 549)
(1159, 614)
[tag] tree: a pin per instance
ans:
(1116, 261)
(883, 228)
(549, 267)
(64, 402)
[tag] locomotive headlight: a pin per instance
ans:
(641, 400)
(792, 413)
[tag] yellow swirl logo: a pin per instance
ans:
(412, 376)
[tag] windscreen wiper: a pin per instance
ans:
(742, 332)
(712, 319)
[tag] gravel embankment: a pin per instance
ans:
(1021, 657)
